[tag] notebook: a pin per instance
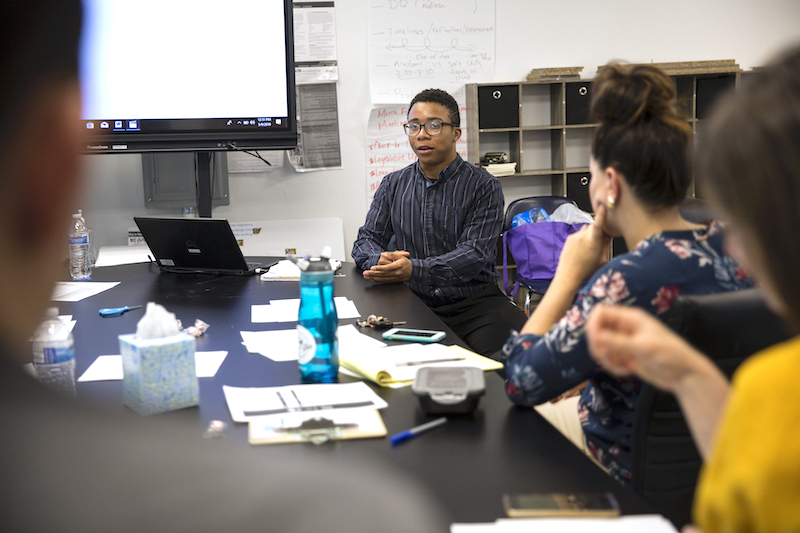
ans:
(197, 245)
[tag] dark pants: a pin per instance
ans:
(484, 321)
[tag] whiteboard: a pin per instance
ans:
(420, 44)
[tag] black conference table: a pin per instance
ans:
(468, 463)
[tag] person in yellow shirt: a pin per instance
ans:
(748, 166)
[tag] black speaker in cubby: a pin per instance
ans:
(498, 106)
(578, 190)
(579, 95)
(711, 88)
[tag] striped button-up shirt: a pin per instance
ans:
(450, 227)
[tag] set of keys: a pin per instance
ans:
(378, 322)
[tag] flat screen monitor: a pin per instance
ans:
(187, 75)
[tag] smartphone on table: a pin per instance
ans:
(413, 335)
(576, 504)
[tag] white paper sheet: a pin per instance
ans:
(281, 345)
(109, 367)
(287, 270)
(245, 403)
(286, 310)
(67, 321)
(623, 524)
(75, 291)
(123, 255)
(104, 368)
(207, 363)
(350, 338)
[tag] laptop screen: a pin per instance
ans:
(205, 245)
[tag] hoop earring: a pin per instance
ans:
(610, 202)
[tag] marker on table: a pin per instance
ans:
(413, 432)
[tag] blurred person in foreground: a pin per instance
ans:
(748, 431)
(67, 466)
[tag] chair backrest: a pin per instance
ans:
(548, 203)
(728, 327)
(696, 210)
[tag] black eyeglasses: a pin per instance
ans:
(434, 127)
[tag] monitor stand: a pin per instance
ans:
(202, 166)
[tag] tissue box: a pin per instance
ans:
(159, 374)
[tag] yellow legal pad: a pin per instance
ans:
(397, 365)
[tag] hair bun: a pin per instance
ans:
(626, 95)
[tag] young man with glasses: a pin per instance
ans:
(434, 225)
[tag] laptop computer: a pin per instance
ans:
(198, 245)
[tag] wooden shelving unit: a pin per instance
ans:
(542, 123)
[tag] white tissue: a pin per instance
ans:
(157, 322)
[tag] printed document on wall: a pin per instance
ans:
(319, 146)
(417, 44)
(315, 42)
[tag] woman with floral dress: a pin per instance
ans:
(640, 173)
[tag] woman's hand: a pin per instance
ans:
(584, 251)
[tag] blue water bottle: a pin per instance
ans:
(318, 351)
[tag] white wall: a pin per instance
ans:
(529, 34)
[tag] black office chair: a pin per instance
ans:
(696, 210)
(728, 327)
(549, 204)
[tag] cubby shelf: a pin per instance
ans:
(543, 125)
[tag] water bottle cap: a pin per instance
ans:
(319, 265)
(77, 215)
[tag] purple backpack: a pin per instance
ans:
(535, 249)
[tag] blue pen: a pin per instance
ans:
(116, 311)
(413, 432)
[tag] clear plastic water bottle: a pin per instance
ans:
(80, 266)
(318, 352)
(92, 245)
(54, 354)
